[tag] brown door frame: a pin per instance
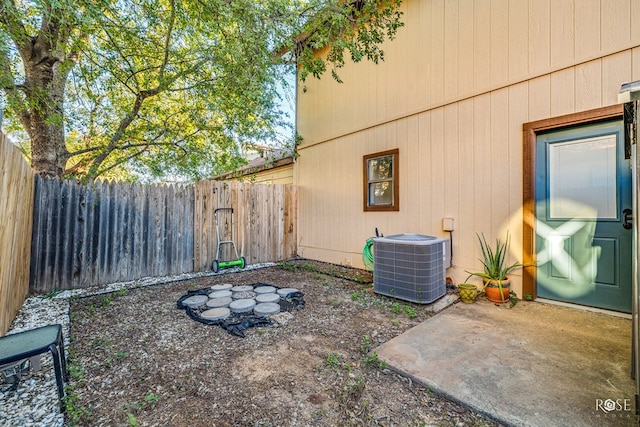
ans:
(529, 133)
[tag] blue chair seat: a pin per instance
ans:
(26, 344)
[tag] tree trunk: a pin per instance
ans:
(48, 151)
(42, 114)
(44, 120)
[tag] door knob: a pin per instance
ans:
(627, 218)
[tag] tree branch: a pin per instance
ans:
(14, 92)
(15, 28)
(167, 42)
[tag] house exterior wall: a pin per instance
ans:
(281, 175)
(458, 83)
(265, 172)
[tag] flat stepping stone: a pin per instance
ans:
(242, 288)
(243, 295)
(268, 298)
(242, 305)
(216, 313)
(264, 290)
(195, 301)
(286, 291)
(220, 294)
(219, 302)
(222, 287)
(266, 309)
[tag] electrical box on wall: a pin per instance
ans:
(447, 224)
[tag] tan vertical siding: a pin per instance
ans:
(518, 114)
(587, 22)
(562, 92)
(615, 69)
(464, 224)
(540, 98)
(615, 24)
(588, 86)
(539, 36)
(283, 175)
(458, 83)
(481, 44)
(499, 39)
(518, 39)
(562, 31)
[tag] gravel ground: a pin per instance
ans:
(137, 359)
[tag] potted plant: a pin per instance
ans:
(495, 276)
(468, 292)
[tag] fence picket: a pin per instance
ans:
(16, 221)
(60, 235)
(91, 235)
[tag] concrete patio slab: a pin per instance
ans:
(532, 365)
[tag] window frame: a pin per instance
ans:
(395, 206)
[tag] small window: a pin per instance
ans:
(381, 181)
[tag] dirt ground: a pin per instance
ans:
(138, 360)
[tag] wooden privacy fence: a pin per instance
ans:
(16, 208)
(264, 217)
(88, 235)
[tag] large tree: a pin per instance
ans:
(167, 87)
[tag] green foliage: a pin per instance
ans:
(406, 309)
(149, 401)
(52, 294)
(366, 345)
(372, 360)
(493, 259)
(76, 414)
(350, 399)
(356, 28)
(358, 295)
(122, 355)
(159, 88)
(513, 299)
(133, 422)
(333, 360)
(288, 266)
(410, 311)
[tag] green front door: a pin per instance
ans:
(583, 202)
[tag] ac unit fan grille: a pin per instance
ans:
(410, 269)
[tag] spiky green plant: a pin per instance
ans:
(493, 261)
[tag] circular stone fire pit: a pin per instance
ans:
(237, 308)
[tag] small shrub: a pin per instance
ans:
(373, 361)
(133, 422)
(333, 360)
(410, 311)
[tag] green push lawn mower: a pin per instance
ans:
(239, 261)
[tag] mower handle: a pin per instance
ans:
(223, 209)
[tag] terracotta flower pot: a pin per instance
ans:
(492, 290)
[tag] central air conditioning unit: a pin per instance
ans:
(410, 267)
